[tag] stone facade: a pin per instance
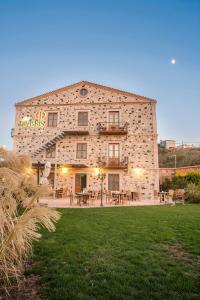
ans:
(137, 145)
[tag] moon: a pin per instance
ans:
(173, 61)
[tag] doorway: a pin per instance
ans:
(80, 182)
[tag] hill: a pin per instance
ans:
(184, 157)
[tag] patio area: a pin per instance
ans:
(64, 199)
(94, 199)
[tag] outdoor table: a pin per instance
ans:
(83, 198)
(118, 195)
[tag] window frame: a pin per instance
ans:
(118, 118)
(81, 150)
(114, 150)
(53, 150)
(53, 120)
(114, 188)
(82, 112)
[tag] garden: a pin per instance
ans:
(93, 253)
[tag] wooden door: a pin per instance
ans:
(80, 182)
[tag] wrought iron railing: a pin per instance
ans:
(113, 162)
(112, 127)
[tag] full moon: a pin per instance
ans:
(173, 61)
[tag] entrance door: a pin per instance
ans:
(80, 182)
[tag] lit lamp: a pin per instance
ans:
(64, 170)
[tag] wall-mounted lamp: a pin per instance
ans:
(64, 170)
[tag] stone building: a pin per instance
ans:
(87, 128)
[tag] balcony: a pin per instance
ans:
(113, 128)
(79, 130)
(113, 163)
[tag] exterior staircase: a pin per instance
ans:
(47, 144)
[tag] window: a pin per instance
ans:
(82, 118)
(51, 152)
(52, 119)
(113, 150)
(81, 150)
(113, 182)
(83, 92)
(114, 117)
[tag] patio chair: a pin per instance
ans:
(115, 198)
(179, 196)
(59, 193)
(126, 197)
(93, 196)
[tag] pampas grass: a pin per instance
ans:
(20, 215)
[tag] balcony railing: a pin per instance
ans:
(112, 128)
(113, 162)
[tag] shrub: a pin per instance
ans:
(192, 193)
(20, 215)
(181, 181)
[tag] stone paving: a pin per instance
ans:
(65, 203)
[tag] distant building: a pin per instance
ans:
(185, 146)
(168, 144)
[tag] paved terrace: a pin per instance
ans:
(65, 203)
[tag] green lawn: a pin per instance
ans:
(122, 253)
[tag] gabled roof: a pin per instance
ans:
(82, 83)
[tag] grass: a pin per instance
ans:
(121, 253)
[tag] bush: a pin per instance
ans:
(181, 181)
(192, 193)
(20, 215)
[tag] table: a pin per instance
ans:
(82, 198)
(118, 196)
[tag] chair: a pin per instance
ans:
(115, 198)
(59, 193)
(93, 196)
(126, 197)
(180, 196)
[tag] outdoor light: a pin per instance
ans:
(64, 170)
(138, 171)
(96, 171)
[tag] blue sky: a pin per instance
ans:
(47, 44)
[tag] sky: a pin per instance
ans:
(48, 44)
